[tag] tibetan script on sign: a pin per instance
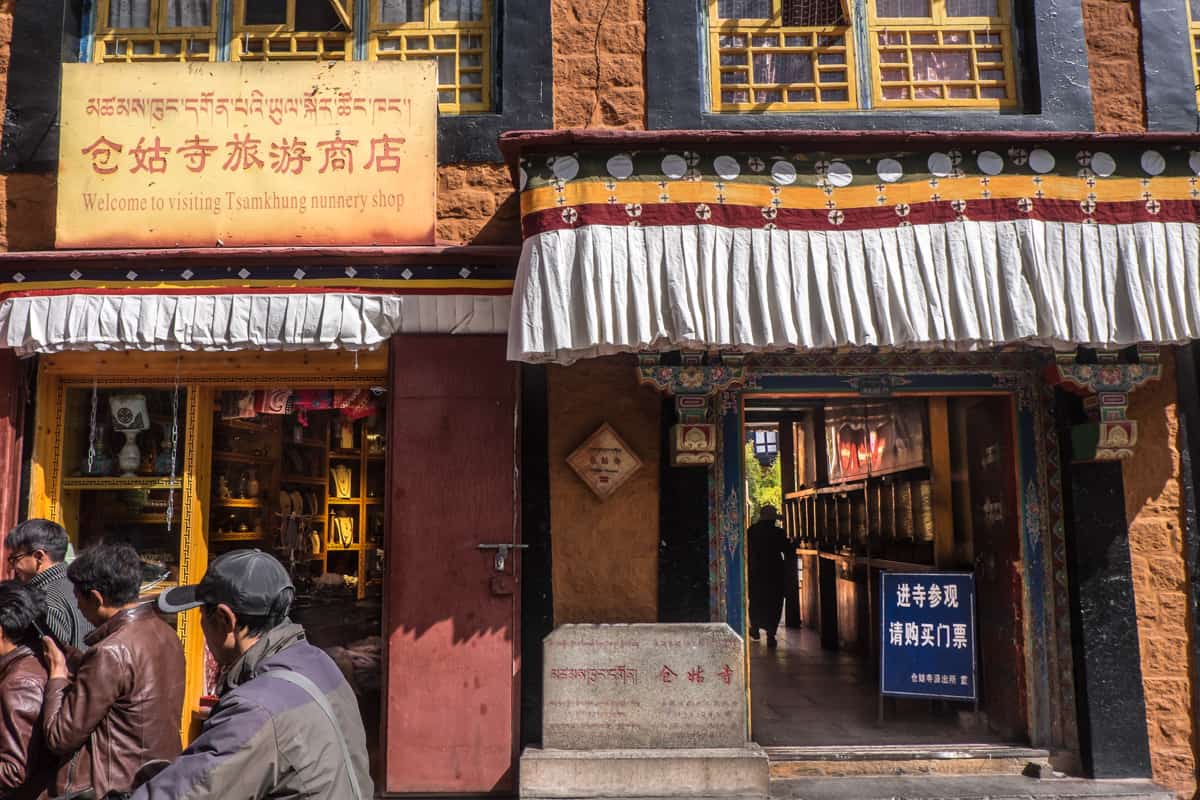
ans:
(656, 686)
(202, 154)
(604, 461)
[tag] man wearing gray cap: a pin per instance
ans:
(286, 723)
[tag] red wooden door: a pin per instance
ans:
(992, 474)
(451, 618)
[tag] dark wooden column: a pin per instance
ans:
(683, 534)
(537, 590)
(1108, 672)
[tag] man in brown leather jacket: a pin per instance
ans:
(22, 685)
(124, 705)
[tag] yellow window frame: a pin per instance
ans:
(938, 25)
(722, 29)
(388, 40)
(156, 35)
(1194, 34)
(263, 42)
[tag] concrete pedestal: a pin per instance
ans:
(741, 772)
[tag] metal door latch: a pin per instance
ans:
(502, 552)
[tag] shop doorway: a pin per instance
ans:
(909, 485)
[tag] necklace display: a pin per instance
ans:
(343, 480)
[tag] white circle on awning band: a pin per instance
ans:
(1153, 162)
(840, 174)
(566, 167)
(1194, 161)
(889, 170)
(990, 162)
(620, 166)
(674, 167)
(524, 178)
(940, 165)
(1103, 164)
(783, 172)
(727, 167)
(1041, 161)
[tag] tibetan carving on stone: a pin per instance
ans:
(604, 462)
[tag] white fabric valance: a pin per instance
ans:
(318, 321)
(601, 289)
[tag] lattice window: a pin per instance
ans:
(797, 55)
(280, 30)
(762, 63)
(155, 30)
(456, 33)
(942, 53)
(1194, 25)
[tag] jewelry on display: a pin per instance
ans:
(343, 480)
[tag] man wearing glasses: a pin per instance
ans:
(36, 550)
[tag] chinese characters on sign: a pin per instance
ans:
(928, 635)
(628, 686)
(146, 159)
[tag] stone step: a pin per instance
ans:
(964, 787)
(891, 760)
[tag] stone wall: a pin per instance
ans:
(1115, 64)
(599, 63)
(604, 552)
(1153, 506)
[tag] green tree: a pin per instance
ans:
(764, 487)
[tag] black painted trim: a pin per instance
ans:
(46, 34)
(524, 91)
(683, 533)
(1057, 93)
(1110, 698)
(537, 597)
(1188, 387)
(1167, 66)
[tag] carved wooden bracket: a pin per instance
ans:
(693, 384)
(1106, 386)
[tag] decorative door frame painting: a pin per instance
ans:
(1046, 600)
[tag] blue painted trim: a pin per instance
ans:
(1033, 514)
(362, 28)
(87, 32)
(1056, 61)
(224, 29)
(1167, 66)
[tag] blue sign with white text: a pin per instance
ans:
(928, 635)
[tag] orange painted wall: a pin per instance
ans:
(605, 552)
(599, 63)
(1153, 505)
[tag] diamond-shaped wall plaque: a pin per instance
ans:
(604, 461)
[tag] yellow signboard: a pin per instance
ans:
(202, 155)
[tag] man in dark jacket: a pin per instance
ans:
(22, 686)
(287, 724)
(124, 706)
(36, 549)
(768, 565)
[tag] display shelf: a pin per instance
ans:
(305, 479)
(244, 425)
(118, 482)
(242, 458)
(239, 536)
(354, 455)
(237, 504)
(313, 443)
(343, 501)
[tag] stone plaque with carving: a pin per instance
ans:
(644, 686)
(604, 461)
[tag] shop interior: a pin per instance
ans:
(298, 473)
(903, 485)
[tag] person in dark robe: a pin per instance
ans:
(768, 565)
